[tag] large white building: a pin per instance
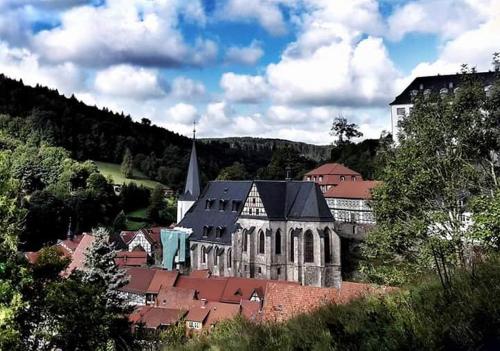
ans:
(430, 85)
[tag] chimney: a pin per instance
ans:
(203, 303)
(69, 234)
(288, 173)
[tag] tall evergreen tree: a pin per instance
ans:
(101, 269)
(127, 166)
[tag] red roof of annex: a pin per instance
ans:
(353, 190)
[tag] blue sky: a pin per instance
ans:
(268, 68)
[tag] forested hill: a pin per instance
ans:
(99, 134)
(314, 152)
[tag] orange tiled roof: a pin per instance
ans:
(353, 190)
(332, 168)
(131, 258)
(162, 278)
(154, 317)
(175, 297)
(78, 258)
(283, 302)
(210, 289)
(238, 289)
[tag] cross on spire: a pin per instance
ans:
(194, 130)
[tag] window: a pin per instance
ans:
(260, 270)
(250, 211)
(400, 111)
(229, 259)
(278, 271)
(308, 178)
(216, 258)
(256, 211)
(194, 325)
(308, 247)
(320, 178)
(203, 254)
(353, 178)
(253, 200)
(278, 242)
(235, 206)
(328, 254)
(219, 231)
(262, 242)
(206, 231)
(450, 85)
(292, 246)
(421, 87)
(222, 205)
(245, 241)
(207, 204)
(342, 178)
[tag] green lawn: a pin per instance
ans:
(113, 170)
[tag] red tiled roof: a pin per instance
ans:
(162, 278)
(283, 302)
(131, 258)
(32, 256)
(210, 289)
(220, 311)
(238, 289)
(332, 168)
(154, 317)
(200, 273)
(175, 297)
(139, 280)
(127, 236)
(251, 310)
(78, 258)
(70, 244)
(198, 313)
(353, 190)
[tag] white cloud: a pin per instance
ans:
(249, 55)
(243, 88)
(136, 32)
(182, 113)
(185, 88)
(267, 13)
(23, 64)
(447, 18)
(128, 81)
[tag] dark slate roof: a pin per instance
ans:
(192, 188)
(436, 83)
(197, 217)
(293, 200)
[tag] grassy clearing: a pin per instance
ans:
(113, 170)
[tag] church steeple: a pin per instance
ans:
(192, 188)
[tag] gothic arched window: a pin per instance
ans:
(203, 255)
(245, 240)
(292, 246)
(308, 247)
(278, 242)
(229, 258)
(328, 252)
(262, 242)
(216, 258)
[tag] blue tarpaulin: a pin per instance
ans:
(175, 246)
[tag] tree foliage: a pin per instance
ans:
(443, 160)
(344, 131)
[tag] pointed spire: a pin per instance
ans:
(192, 189)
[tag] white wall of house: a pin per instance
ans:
(140, 240)
(397, 112)
(351, 210)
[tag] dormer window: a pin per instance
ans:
(235, 205)
(206, 230)
(208, 204)
(320, 178)
(219, 231)
(342, 178)
(487, 90)
(353, 178)
(427, 92)
(443, 91)
(421, 87)
(450, 86)
(222, 204)
(414, 92)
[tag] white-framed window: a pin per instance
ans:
(400, 111)
(194, 325)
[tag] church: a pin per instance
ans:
(279, 230)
